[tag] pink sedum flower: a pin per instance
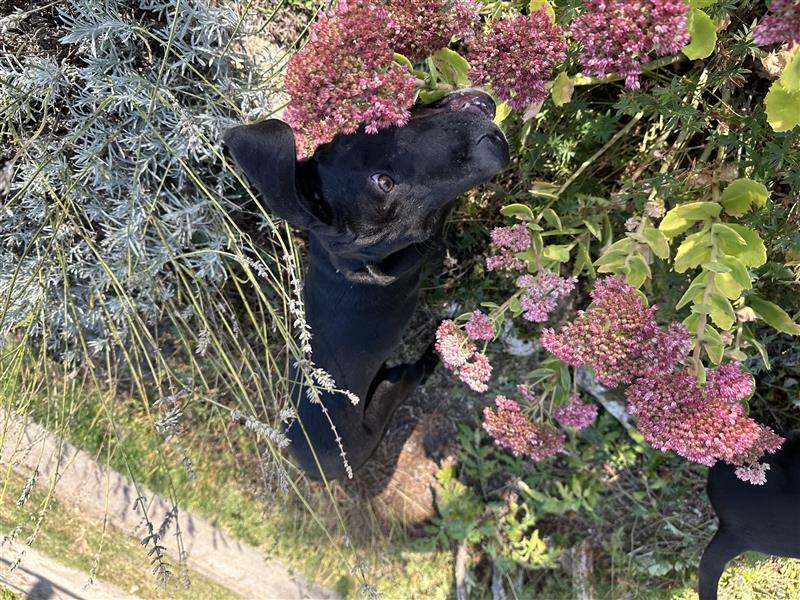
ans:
(511, 429)
(458, 354)
(541, 294)
(780, 26)
(509, 241)
(755, 474)
(345, 76)
(421, 27)
(675, 413)
(618, 35)
(576, 413)
(479, 327)
(453, 347)
(517, 56)
(729, 382)
(476, 373)
(618, 336)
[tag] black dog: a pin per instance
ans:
(761, 518)
(372, 205)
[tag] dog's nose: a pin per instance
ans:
(469, 100)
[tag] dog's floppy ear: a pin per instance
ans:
(266, 153)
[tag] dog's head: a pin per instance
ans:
(369, 196)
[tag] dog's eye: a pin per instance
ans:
(384, 182)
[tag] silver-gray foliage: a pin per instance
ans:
(113, 177)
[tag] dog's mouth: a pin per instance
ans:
(474, 101)
(467, 100)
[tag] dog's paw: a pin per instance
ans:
(428, 362)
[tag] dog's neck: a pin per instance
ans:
(400, 266)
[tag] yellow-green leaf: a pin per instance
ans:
(518, 211)
(703, 35)
(638, 270)
(727, 234)
(722, 311)
(694, 251)
(713, 344)
(657, 242)
(501, 112)
(556, 252)
(552, 218)
(743, 194)
(562, 89)
(774, 315)
(783, 107)
(543, 4)
(728, 285)
(752, 254)
(680, 218)
(453, 67)
(790, 78)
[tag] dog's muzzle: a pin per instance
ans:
(469, 100)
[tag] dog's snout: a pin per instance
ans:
(469, 100)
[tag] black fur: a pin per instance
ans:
(367, 250)
(760, 518)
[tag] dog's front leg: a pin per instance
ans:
(391, 386)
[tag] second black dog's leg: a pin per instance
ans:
(391, 386)
(720, 550)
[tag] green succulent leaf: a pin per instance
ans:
(562, 89)
(703, 34)
(722, 311)
(713, 344)
(453, 68)
(743, 194)
(501, 112)
(693, 294)
(552, 218)
(657, 242)
(790, 78)
(752, 254)
(783, 107)
(728, 235)
(683, 216)
(693, 251)
(594, 230)
(701, 309)
(638, 271)
(518, 211)
(773, 314)
(535, 5)
(557, 252)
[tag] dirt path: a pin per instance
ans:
(38, 577)
(98, 491)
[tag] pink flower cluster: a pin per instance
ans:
(576, 413)
(541, 294)
(703, 424)
(618, 336)
(618, 35)
(780, 26)
(516, 57)
(458, 354)
(345, 75)
(509, 240)
(421, 27)
(479, 327)
(511, 429)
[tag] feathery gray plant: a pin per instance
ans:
(109, 144)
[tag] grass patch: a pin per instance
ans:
(108, 554)
(227, 489)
